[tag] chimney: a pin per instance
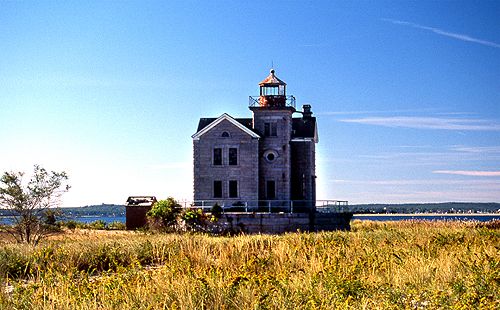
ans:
(306, 111)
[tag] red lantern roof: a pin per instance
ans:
(271, 80)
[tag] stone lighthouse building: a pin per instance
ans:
(263, 160)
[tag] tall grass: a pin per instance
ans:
(413, 265)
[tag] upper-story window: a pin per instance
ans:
(233, 156)
(270, 129)
(225, 134)
(217, 156)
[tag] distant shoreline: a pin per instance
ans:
(426, 214)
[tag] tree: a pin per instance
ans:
(29, 201)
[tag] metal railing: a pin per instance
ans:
(272, 206)
(254, 101)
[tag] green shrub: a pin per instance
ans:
(195, 220)
(99, 224)
(216, 211)
(116, 225)
(71, 224)
(164, 214)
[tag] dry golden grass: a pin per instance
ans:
(392, 265)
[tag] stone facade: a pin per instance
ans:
(226, 135)
(277, 170)
(275, 158)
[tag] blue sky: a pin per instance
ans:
(406, 94)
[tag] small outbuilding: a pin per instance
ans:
(136, 209)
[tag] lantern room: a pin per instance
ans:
(272, 91)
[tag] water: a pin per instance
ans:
(6, 220)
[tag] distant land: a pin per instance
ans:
(112, 210)
(445, 207)
(94, 210)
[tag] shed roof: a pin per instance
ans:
(140, 201)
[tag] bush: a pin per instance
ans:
(99, 224)
(195, 220)
(116, 225)
(71, 224)
(216, 211)
(164, 214)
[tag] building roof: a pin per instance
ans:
(206, 124)
(302, 128)
(272, 80)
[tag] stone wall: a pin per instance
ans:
(304, 170)
(278, 223)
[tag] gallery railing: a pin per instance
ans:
(255, 101)
(272, 206)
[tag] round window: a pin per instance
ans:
(270, 155)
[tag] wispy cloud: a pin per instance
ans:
(476, 149)
(457, 36)
(428, 123)
(402, 111)
(473, 173)
(483, 183)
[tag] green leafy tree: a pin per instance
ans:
(29, 201)
(164, 214)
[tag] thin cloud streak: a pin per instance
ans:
(326, 113)
(457, 36)
(417, 122)
(486, 184)
(472, 173)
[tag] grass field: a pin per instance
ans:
(391, 265)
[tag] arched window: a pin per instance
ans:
(225, 134)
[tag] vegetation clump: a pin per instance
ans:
(391, 265)
(164, 215)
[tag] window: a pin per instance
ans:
(217, 157)
(217, 189)
(270, 190)
(233, 189)
(233, 156)
(270, 130)
(270, 155)
(225, 134)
